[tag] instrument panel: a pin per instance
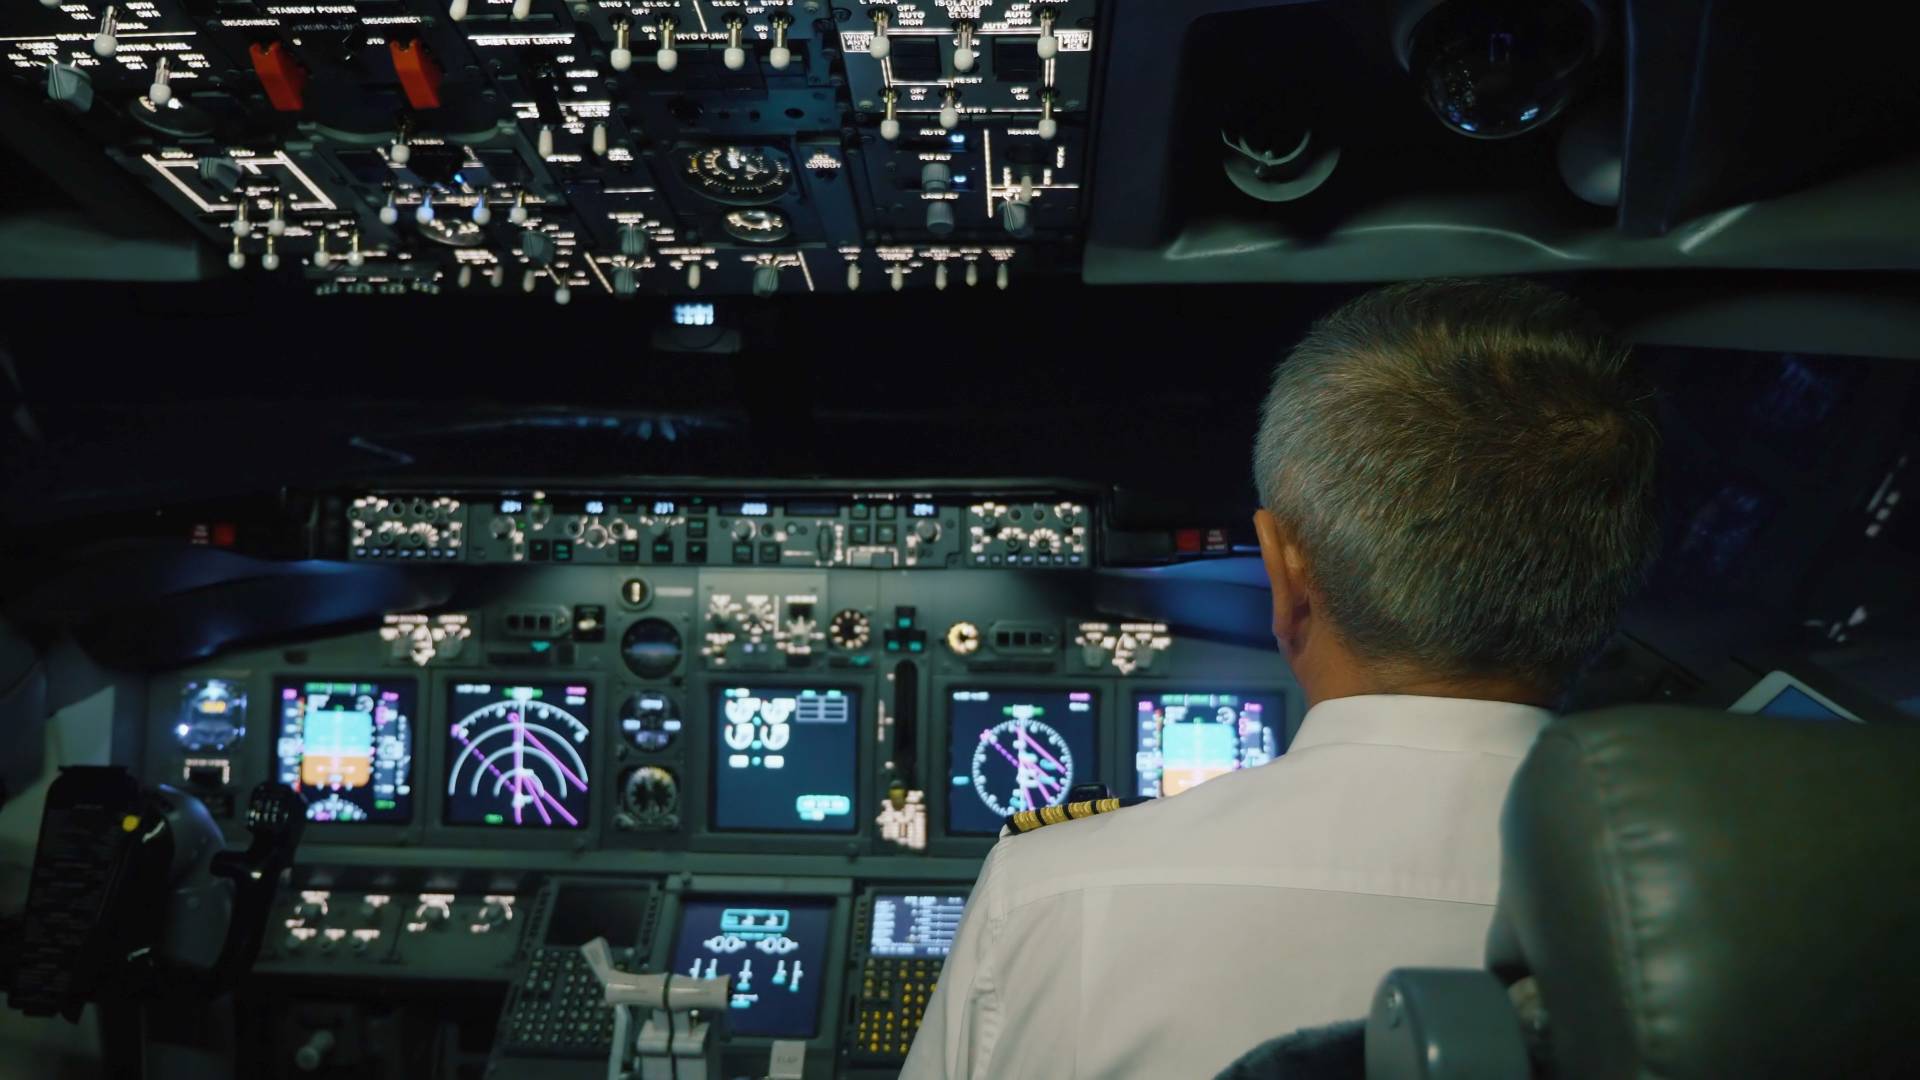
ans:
(788, 767)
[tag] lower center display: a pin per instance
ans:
(519, 755)
(1014, 750)
(785, 759)
(774, 948)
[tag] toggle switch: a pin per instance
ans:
(518, 213)
(457, 11)
(1048, 126)
(880, 46)
(482, 213)
(277, 224)
(897, 277)
(853, 277)
(562, 295)
(522, 9)
(544, 144)
(160, 93)
(497, 277)
(107, 41)
(240, 225)
(890, 124)
(1047, 46)
(735, 56)
(237, 259)
(1000, 276)
(622, 55)
(973, 274)
(465, 277)
(940, 276)
(599, 141)
(780, 56)
(963, 52)
(667, 56)
(271, 260)
(321, 257)
(528, 279)
(389, 213)
(949, 109)
(355, 257)
(693, 275)
(424, 215)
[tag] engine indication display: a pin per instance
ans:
(1014, 750)
(213, 715)
(784, 759)
(519, 756)
(742, 175)
(1185, 739)
(347, 746)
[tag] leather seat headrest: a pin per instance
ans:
(1700, 894)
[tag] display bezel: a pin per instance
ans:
(1281, 724)
(945, 757)
(595, 766)
(370, 832)
(838, 893)
(437, 832)
(935, 736)
(704, 754)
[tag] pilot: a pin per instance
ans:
(1457, 495)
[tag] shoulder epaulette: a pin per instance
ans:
(1028, 820)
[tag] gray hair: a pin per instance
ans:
(1469, 467)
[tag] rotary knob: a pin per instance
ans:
(309, 911)
(540, 514)
(927, 530)
(1095, 655)
(742, 531)
(595, 536)
(494, 913)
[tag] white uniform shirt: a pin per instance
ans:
(1166, 939)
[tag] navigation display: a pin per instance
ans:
(774, 948)
(1014, 750)
(915, 926)
(347, 745)
(784, 759)
(1185, 739)
(518, 755)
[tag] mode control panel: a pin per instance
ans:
(883, 531)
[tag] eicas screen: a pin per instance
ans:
(915, 926)
(1184, 739)
(1014, 750)
(784, 759)
(347, 745)
(774, 948)
(519, 755)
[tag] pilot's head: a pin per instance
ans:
(1458, 489)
